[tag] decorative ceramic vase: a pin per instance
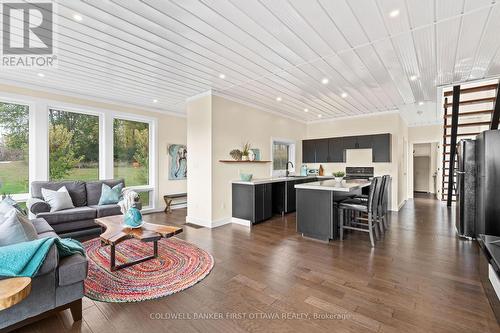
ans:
(133, 218)
(339, 179)
(244, 158)
(251, 156)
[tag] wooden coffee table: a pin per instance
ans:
(116, 233)
(13, 291)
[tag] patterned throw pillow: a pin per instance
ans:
(58, 200)
(110, 195)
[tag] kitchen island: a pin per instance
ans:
(316, 214)
(258, 200)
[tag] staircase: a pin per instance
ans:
(476, 104)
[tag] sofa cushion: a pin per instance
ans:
(76, 190)
(41, 226)
(72, 227)
(110, 195)
(36, 205)
(16, 229)
(107, 210)
(72, 269)
(68, 215)
(94, 189)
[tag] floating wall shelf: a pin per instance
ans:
(234, 161)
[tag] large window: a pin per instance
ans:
(283, 151)
(131, 155)
(73, 146)
(14, 142)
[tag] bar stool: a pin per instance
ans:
(369, 207)
(381, 209)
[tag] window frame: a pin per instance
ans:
(97, 114)
(23, 197)
(292, 147)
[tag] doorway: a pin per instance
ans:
(421, 171)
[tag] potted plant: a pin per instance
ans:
(245, 151)
(339, 176)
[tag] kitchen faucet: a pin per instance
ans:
(288, 172)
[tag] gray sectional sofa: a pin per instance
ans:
(58, 285)
(78, 221)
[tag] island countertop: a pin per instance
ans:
(258, 181)
(332, 185)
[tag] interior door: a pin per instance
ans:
(421, 173)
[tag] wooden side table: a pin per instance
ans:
(13, 291)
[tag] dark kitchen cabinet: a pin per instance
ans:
(335, 150)
(279, 195)
(308, 151)
(381, 145)
(321, 148)
(364, 142)
(349, 142)
(290, 196)
(263, 202)
(252, 202)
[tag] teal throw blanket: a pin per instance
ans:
(26, 258)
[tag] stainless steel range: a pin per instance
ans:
(358, 172)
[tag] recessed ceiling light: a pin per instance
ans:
(320, 115)
(420, 103)
(77, 17)
(413, 77)
(325, 81)
(155, 101)
(306, 110)
(343, 95)
(278, 99)
(222, 76)
(41, 75)
(394, 13)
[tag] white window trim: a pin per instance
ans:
(291, 157)
(39, 140)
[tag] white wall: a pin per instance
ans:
(369, 124)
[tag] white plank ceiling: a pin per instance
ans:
(377, 55)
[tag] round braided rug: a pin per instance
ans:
(179, 265)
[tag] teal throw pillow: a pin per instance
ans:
(110, 195)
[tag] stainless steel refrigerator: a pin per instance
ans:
(488, 183)
(466, 189)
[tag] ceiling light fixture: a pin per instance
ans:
(306, 110)
(278, 99)
(320, 115)
(155, 101)
(394, 13)
(413, 77)
(41, 75)
(420, 103)
(222, 76)
(343, 95)
(77, 17)
(325, 81)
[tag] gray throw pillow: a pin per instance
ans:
(58, 200)
(13, 231)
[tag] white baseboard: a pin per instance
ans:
(245, 223)
(401, 205)
(198, 221)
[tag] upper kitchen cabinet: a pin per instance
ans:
(315, 151)
(381, 145)
(308, 151)
(335, 150)
(321, 146)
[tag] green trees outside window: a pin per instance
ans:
(14, 143)
(131, 151)
(73, 146)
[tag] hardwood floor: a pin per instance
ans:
(418, 278)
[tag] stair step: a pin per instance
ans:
(468, 114)
(474, 101)
(473, 89)
(477, 123)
